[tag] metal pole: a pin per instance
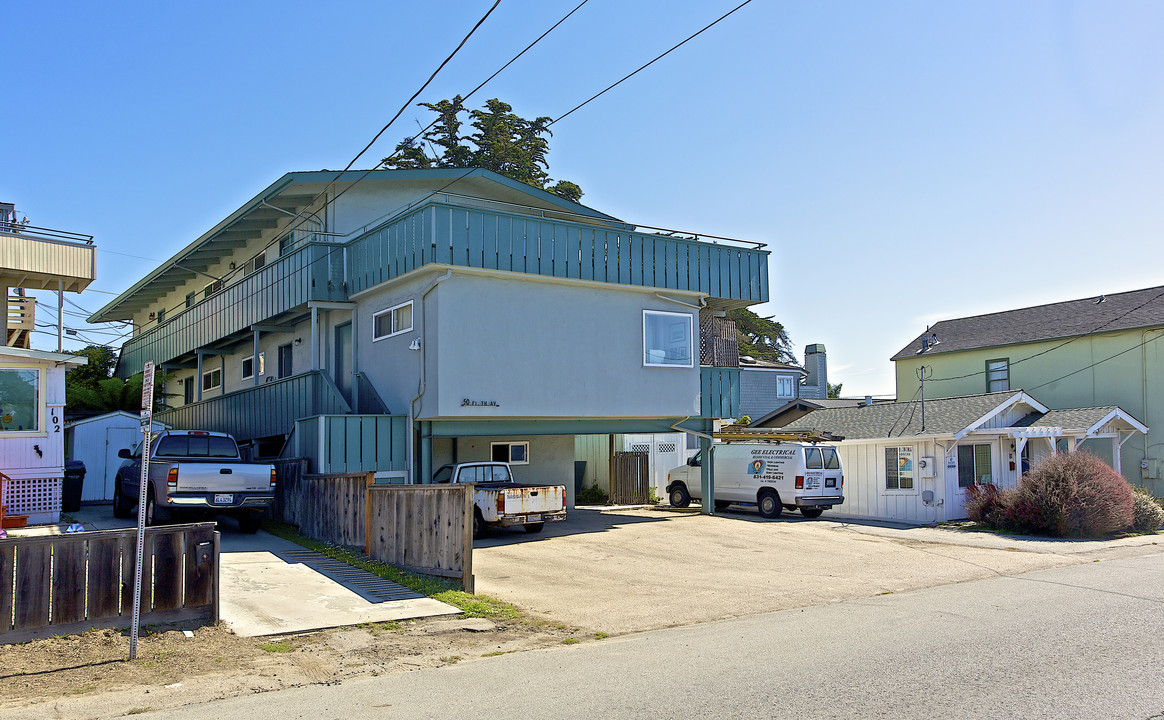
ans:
(147, 409)
(60, 316)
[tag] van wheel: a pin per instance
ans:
(721, 504)
(811, 512)
(680, 498)
(769, 503)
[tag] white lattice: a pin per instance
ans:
(666, 447)
(28, 496)
(640, 447)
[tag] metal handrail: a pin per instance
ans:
(40, 233)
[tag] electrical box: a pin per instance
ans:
(1150, 468)
(925, 467)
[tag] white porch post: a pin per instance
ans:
(314, 338)
(1115, 454)
(198, 378)
(1019, 445)
(255, 358)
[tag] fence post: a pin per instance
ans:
(369, 481)
(467, 561)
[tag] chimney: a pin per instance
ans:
(816, 363)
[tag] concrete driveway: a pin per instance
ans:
(272, 586)
(630, 570)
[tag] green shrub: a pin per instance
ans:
(1073, 494)
(1148, 514)
(592, 495)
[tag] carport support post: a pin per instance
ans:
(707, 476)
(425, 453)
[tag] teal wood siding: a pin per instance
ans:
(261, 411)
(313, 272)
(353, 443)
(468, 237)
(719, 390)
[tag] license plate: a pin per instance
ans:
(533, 518)
(223, 499)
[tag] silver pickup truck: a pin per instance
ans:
(195, 470)
(500, 502)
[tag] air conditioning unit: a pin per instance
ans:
(925, 467)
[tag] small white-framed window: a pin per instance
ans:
(514, 453)
(21, 400)
(393, 321)
(998, 375)
(248, 367)
(667, 339)
(899, 468)
(212, 379)
(785, 386)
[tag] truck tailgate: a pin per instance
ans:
(525, 500)
(223, 477)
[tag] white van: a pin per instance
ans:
(773, 475)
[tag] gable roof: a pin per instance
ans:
(1073, 318)
(944, 416)
(1091, 419)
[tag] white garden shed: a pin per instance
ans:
(95, 441)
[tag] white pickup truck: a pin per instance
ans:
(500, 502)
(195, 470)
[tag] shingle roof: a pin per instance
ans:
(945, 416)
(1122, 311)
(1074, 418)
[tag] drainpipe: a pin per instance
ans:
(706, 470)
(422, 386)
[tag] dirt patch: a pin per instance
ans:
(89, 675)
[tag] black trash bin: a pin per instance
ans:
(71, 491)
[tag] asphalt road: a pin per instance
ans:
(1083, 641)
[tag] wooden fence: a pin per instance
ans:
(631, 476)
(60, 584)
(427, 529)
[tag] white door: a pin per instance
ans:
(976, 464)
(115, 439)
(664, 453)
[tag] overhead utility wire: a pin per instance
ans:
(298, 216)
(1089, 333)
(652, 62)
(1099, 362)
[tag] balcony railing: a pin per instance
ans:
(479, 238)
(260, 411)
(312, 272)
(352, 443)
(719, 392)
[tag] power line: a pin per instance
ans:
(1098, 362)
(652, 62)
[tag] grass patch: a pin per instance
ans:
(277, 646)
(441, 589)
(451, 659)
(81, 690)
(138, 710)
(495, 653)
(375, 628)
(571, 641)
(601, 636)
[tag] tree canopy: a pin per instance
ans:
(762, 337)
(501, 141)
(93, 387)
(101, 359)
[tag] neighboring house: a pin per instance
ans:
(32, 382)
(765, 385)
(912, 462)
(95, 441)
(431, 316)
(1094, 351)
(796, 409)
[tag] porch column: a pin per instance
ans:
(314, 338)
(198, 378)
(707, 476)
(355, 363)
(425, 454)
(255, 359)
(1115, 453)
(1019, 444)
(4, 314)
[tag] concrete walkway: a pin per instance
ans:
(272, 586)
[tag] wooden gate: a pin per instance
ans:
(61, 584)
(630, 479)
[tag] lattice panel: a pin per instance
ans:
(666, 447)
(640, 447)
(27, 496)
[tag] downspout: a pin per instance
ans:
(702, 301)
(422, 385)
(696, 433)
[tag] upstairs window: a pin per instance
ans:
(212, 288)
(785, 386)
(189, 299)
(998, 375)
(667, 339)
(256, 262)
(161, 316)
(393, 321)
(212, 379)
(248, 367)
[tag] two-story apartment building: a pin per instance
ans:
(419, 317)
(1097, 351)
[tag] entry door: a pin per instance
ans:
(284, 361)
(664, 452)
(103, 477)
(975, 466)
(343, 360)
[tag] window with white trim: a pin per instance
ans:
(899, 468)
(248, 367)
(974, 465)
(785, 386)
(514, 453)
(21, 400)
(212, 379)
(667, 339)
(393, 321)
(998, 375)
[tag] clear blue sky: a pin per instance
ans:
(905, 161)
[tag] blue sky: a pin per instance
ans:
(906, 162)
